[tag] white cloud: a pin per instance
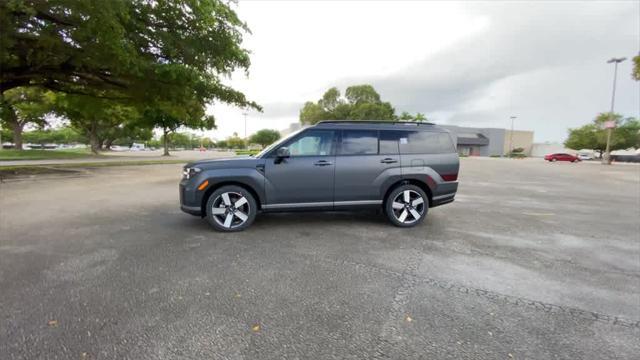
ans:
(468, 63)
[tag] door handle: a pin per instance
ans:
(388, 161)
(322, 163)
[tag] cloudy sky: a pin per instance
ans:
(462, 63)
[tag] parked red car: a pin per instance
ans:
(561, 157)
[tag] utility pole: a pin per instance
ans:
(245, 124)
(606, 159)
(511, 136)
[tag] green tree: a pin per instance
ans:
(63, 135)
(636, 68)
(100, 120)
(419, 117)
(128, 133)
(24, 106)
(169, 122)
(361, 102)
(207, 142)
(222, 144)
(362, 94)
(142, 51)
(312, 113)
(371, 111)
(405, 116)
(330, 100)
(625, 135)
(264, 137)
(235, 142)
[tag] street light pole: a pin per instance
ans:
(245, 124)
(606, 160)
(511, 136)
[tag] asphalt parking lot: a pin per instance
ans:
(532, 261)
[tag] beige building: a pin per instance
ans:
(518, 139)
(490, 141)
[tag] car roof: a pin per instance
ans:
(378, 125)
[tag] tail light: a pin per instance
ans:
(449, 177)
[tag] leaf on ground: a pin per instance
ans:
(408, 318)
(256, 327)
(52, 323)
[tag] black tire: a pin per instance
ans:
(414, 206)
(241, 217)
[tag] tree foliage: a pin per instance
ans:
(636, 68)
(361, 102)
(23, 106)
(62, 135)
(170, 123)
(625, 135)
(236, 142)
(405, 116)
(113, 61)
(144, 51)
(100, 120)
(264, 137)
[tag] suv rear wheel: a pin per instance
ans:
(406, 205)
(231, 208)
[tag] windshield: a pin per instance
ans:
(277, 143)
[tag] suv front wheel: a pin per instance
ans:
(406, 206)
(231, 208)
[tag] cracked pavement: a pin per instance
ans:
(532, 260)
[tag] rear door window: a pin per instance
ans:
(389, 142)
(359, 142)
(426, 142)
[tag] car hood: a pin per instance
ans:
(233, 162)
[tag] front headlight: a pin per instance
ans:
(190, 172)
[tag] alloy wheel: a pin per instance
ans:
(408, 206)
(230, 210)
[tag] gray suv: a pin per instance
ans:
(404, 168)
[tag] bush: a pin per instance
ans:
(247, 152)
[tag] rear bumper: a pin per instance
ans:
(444, 193)
(442, 199)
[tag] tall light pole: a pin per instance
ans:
(511, 136)
(607, 153)
(245, 124)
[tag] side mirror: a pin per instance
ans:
(283, 152)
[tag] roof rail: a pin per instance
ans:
(375, 122)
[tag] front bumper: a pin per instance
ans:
(192, 210)
(189, 202)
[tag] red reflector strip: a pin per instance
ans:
(449, 177)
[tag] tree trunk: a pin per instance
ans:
(166, 142)
(108, 143)
(15, 125)
(17, 136)
(93, 139)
